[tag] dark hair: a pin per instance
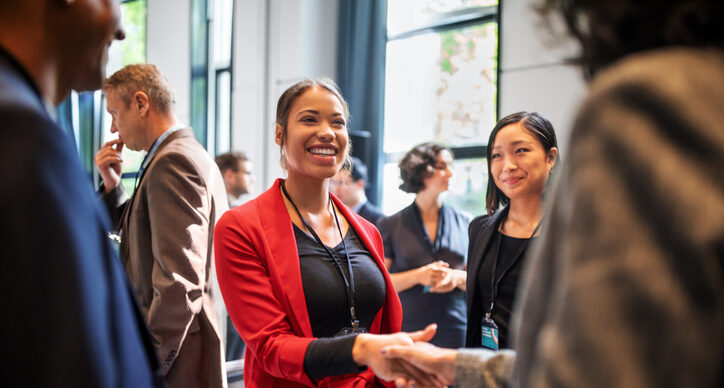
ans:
(358, 170)
(287, 99)
(541, 128)
(230, 161)
(418, 164)
(609, 30)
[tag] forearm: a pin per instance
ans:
(405, 280)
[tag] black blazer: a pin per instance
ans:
(370, 213)
(480, 233)
(70, 318)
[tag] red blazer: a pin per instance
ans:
(257, 265)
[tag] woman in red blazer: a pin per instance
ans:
(295, 262)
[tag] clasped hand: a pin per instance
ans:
(379, 352)
(440, 277)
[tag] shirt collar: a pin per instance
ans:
(158, 143)
(359, 205)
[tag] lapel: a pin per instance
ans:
(127, 211)
(277, 227)
(481, 242)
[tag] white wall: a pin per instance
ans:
(168, 47)
(277, 43)
(533, 75)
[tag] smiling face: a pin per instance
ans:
(316, 140)
(519, 164)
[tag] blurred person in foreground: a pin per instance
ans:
(349, 186)
(627, 287)
(69, 317)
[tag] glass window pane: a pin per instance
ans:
(467, 188)
(223, 14)
(405, 15)
(132, 49)
(223, 111)
(393, 199)
(442, 87)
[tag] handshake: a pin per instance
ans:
(407, 358)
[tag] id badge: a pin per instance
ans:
(490, 334)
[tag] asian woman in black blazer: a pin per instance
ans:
(522, 156)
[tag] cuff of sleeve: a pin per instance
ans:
(483, 368)
(330, 357)
(115, 197)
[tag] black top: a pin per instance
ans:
(327, 301)
(507, 287)
(408, 246)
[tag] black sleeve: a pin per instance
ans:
(115, 201)
(330, 357)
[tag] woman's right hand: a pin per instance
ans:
(431, 274)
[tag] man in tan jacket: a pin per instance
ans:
(166, 227)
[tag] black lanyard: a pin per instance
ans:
(496, 282)
(348, 283)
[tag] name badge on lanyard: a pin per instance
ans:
(490, 334)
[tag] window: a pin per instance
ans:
(211, 75)
(128, 51)
(441, 86)
(223, 25)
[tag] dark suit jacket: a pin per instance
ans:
(167, 252)
(257, 263)
(370, 213)
(69, 319)
(480, 233)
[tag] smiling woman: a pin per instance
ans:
(302, 275)
(522, 156)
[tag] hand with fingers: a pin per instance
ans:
(108, 160)
(431, 274)
(454, 278)
(427, 359)
(367, 350)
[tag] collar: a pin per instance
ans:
(49, 107)
(157, 143)
(359, 205)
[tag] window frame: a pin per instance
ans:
(444, 22)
